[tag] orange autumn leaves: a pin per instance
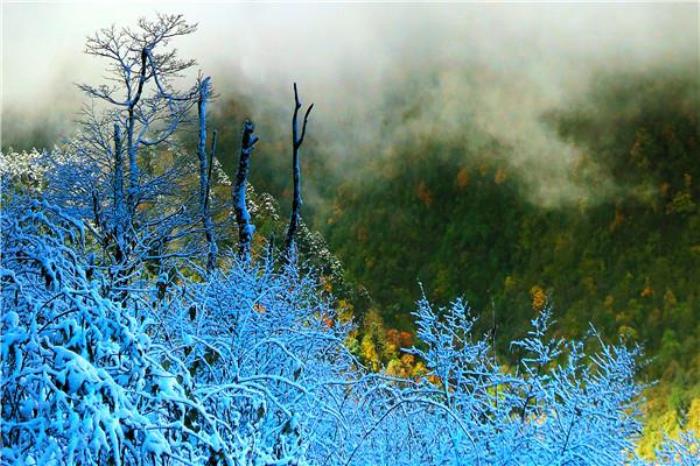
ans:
(539, 298)
(381, 348)
(463, 179)
(424, 194)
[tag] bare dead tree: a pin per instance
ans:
(245, 227)
(297, 140)
(205, 173)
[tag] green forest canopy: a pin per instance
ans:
(451, 213)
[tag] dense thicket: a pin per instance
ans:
(135, 332)
(250, 367)
(450, 208)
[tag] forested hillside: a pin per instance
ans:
(448, 209)
(627, 261)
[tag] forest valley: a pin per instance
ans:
(157, 309)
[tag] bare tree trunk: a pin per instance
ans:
(245, 227)
(119, 212)
(121, 218)
(297, 140)
(133, 193)
(205, 174)
(96, 209)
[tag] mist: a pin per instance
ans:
(382, 77)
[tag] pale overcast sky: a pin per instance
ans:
(495, 67)
(324, 43)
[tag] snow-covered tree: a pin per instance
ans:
(129, 130)
(80, 384)
(268, 356)
(124, 341)
(560, 406)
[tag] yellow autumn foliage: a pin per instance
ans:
(539, 298)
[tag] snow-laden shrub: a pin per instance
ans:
(266, 354)
(69, 177)
(249, 367)
(683, 451)
(79, 384)
(559, 406)
(25, 169)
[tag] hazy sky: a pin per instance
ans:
(42, 42)
(498, 66)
